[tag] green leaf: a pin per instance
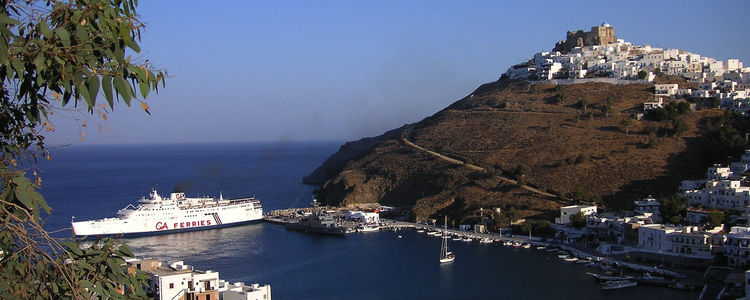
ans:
(5, 19)
(64, 35)
(18, 66)
(132, 44)
(23, 196)
(81, 34)
(40, 200)
(126, 252)
(85, 265)
(83, 90)
(3, 51)
(144, 89)
(73, 247)
(39, 61)
(123, 89)
(107, 89)
(44, 28)
(93, 86)
(85, 284)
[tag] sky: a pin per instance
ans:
(243, 71)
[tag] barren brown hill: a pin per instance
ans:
(566, 140)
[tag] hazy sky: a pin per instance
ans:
(342, 70)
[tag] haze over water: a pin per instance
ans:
(95, 181)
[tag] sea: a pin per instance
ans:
(94, 181)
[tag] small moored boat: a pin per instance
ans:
(618, 284)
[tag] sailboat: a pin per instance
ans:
(445, 255)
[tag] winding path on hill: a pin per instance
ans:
(405, 139)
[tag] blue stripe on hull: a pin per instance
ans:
(160, 232)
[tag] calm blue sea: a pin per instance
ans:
(95, 181)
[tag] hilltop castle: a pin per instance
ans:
(599, 35)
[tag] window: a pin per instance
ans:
(171, 285)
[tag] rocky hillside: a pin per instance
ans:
(568, 141)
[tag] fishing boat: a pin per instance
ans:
(368, 227)
(604, 278)
(618, 284)
(445, 255)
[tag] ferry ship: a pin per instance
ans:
(157, 215)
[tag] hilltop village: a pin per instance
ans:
(597, 125)
(705, 224)
(597, 55)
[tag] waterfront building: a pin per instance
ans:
(180, 281)
(364, 217)
(240, 291)
(738, 246)
(655, 237)
(567, 211)
(177, 280)
(691, 241)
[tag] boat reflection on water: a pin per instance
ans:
(204, 244)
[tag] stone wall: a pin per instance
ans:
(599, 35)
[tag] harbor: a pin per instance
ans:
(302, 265)
(609, 273)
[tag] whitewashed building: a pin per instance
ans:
(657, 103)
(655, 237)
(364, 217)
(697, 215)
(180, 281)
(567, 211)
(176, 280)
(738, 246)
(691, 241)
(647, 205)
(240, 291)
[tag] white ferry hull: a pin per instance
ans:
(169, 219)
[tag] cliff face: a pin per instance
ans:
(561, 140)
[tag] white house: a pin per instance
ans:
(657, 103)
(696, 215)
(240, 291)
(655, 237)
(180, 281)
(567, 211)
(738, 246)
(691, 241)
(647, 205)
(364, 217)
(665, 89)
(733, 65)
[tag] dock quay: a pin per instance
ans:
(320, 220)
(537, 242)
(292, 215)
